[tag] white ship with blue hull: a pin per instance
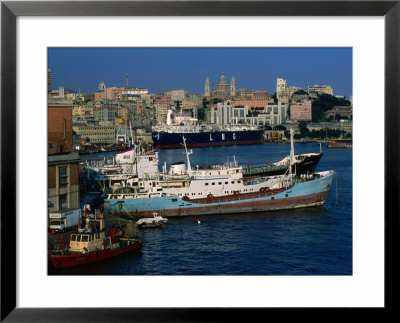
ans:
(301, 192)
(218, 189)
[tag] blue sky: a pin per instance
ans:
(160, 69)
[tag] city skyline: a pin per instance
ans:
(167, 69)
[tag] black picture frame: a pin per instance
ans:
(10, 10)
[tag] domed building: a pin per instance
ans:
(224, 89)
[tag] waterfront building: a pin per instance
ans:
(221, 114)
(270, 115)
(273, 114)
(100, 134)
(323, 126)
(227, 114)
(346, 126)
(320, 89)
(301, 110)
(63, 164)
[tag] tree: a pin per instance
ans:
(300, 92)
(205, 103)
(201, 114)
(216, 100)
(317, 114)
(304, 131)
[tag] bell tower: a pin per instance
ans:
(207, 88)
(233, 87)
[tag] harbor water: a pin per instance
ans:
(312, 241)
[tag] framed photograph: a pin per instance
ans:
(362, 37)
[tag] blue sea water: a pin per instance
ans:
(312, 241)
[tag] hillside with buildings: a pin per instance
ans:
(110, 116)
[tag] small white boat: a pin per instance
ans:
(155, 221)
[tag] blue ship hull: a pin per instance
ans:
(207, 138)
(302, 194)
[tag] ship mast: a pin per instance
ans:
(189, 168)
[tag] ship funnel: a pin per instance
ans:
(169, 119)
(292, 159)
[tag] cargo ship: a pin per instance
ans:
(170, 135)
(218, 189)
(302, 164)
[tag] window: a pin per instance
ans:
(62, 202)
(62, 176)
(85, 238)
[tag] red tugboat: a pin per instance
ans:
(88, 247)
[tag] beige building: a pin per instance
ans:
(113, 93)
(346, 111)
(161, 112)
(301, 110)
(346, 126)
(281, 91)
(133, 93)
(188, 104)
(96, 134)
(320, 89)
(99, 96)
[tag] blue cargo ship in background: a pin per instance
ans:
(170, 135)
